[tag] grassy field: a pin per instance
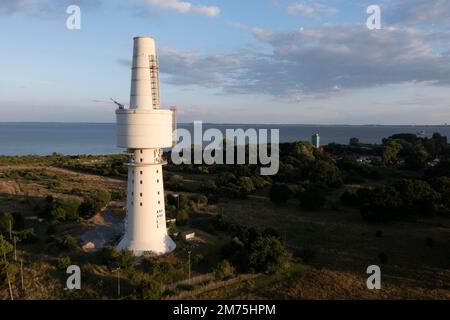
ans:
(340, 244)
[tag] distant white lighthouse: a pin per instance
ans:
(144, 129)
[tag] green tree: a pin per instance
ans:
(267, 254)
(64, 262)
(182, 217)
(65, 209)
(94, 202)
(176, 182)
(246, 185)
(108, 254)
(325, 172)
(390, 151)
(6, 221)
(126, 259)
(417, 196)
(224, 270)
(5, 247)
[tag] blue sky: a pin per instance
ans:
(252, 61)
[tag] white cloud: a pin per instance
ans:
(314, 62)
(310, 9)
(185, 7)
(417, 11)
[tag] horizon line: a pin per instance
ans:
(242, 123)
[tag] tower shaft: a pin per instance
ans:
(144, 129)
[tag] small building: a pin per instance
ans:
(171, 221)
(188, 235)
(315, 140)
(89, 246)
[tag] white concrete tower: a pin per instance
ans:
(144, 129)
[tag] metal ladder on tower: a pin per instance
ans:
(154, 78)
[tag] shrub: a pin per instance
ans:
(6, 221)
(145, 287)
(198, 259)
(267, 254)
(108, 254)
(64, 262)
(65, 209)
(119, 195)
(246, 185)
(182, 217)
(93, 203)
(27, 236)
(224, 270)
(5, 246)
(126, 259)
(176, 182)
(66, 243)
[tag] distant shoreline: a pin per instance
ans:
(237, 124)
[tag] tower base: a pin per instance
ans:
(163, 246)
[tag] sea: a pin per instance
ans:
(99, 138)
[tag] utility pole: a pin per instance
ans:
(4, 251)
(21, 273)
(118, 282)
(189, 252)
(15, 249)
(10, 230)
(9, 285)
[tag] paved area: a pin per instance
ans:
(106, 228)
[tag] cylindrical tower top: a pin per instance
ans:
(145, 75)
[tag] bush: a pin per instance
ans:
(93, 203)
(267, 254)
(246, 185)
(182, 217)
(119, 195)
(65, 243)
(64, 210)
(64, 262)
(280, 193)
(108, 254)
(6, 221)
(224, 270)
(145, 287)
(5, 246)
(325, 172)
(176, 182)
(27, 236)
(126, 259)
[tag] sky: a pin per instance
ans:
(230, 61)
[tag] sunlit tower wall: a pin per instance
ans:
(315, 140)
(144, 129)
